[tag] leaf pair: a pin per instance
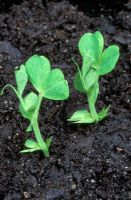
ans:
(91, 47)
(50, 83)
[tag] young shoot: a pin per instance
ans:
(48, 83)
(96, 62)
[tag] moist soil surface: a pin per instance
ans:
(87, 162)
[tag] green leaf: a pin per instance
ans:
(21, 79)
(38, 69)
(108, 60)
(90, 79)
(32, 144)
(30, 101)
(56, 87)
(48, 142)
(86, 65)
(78, 83)
(104, 113)
(29, 150)
(25, 113)
(78, 80)
(91, 46)
(93, 92)
(29, 128)
(81, 116)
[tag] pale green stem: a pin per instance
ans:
(92, 109)
(36, 129)
(13, 88)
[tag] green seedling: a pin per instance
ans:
(96, 62)
(49, 83)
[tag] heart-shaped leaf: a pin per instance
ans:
(108, 60)
(91, 46)
(56, 87)
(38, 69)
(21, 79)
(81, 116)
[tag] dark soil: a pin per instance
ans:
(91, 162)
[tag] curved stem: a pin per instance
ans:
(15, 91)
(8, 85)
(36, 129)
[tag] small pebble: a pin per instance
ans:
(27, 195)
(73, 186)
(93, 181)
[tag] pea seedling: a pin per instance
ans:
(96, 62)
(49, 84)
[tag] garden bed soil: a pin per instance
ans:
(90, 162)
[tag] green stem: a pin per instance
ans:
(93, 109)
(39, 139)
(36, 129)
